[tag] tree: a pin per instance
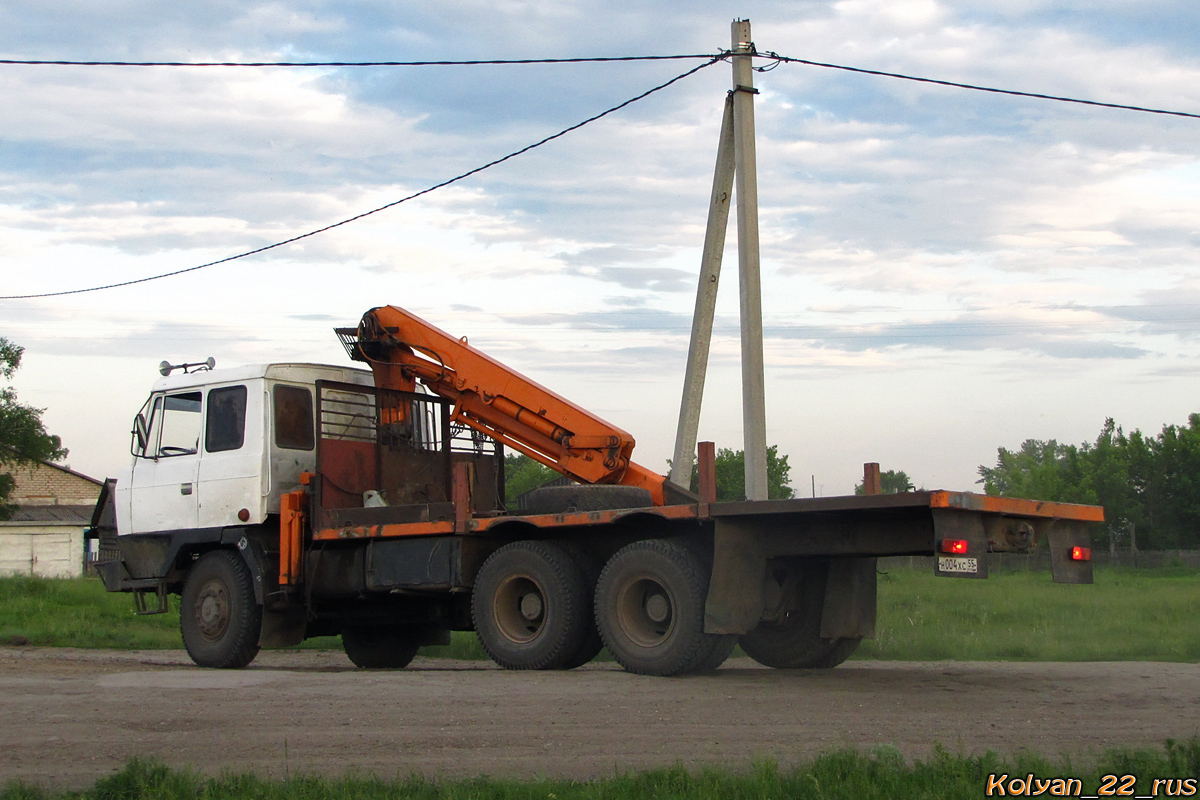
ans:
(1149, 486)
(893, 481)
(522, 473)
(1172, 487)
(1039, 470)
(23, 439)
(731, 475)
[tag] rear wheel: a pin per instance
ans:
(791, 637)
(530, 606)
(650, 610)
(219, 618)
(380, 647)
(589, 569)
(796, 647)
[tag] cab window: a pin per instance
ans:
(178, 425)
(293, 417)
(225, 428)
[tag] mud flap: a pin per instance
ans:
(1062, 537)
(735, 590)
(282, 628)
(850, 599)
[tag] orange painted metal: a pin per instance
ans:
(494, 399)
(291, 536)
(476, 525)
(1016, 507)
(939, 499)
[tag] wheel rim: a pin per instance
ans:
(519, 609)
(645, 611)
(213, 611)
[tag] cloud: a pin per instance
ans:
(1032, 240)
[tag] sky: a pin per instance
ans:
(945, 272)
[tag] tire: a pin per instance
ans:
(793, 640)
(783, 647)
(219, 618)
(590, 567)
(530, 606)
(722, 648)
(561, 499)
(650, 610)
(380, 647)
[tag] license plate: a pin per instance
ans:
(951, 564)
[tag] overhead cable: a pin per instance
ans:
(973, 87)
(469, 173)
(446, 63)
(769, 54)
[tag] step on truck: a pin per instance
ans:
(286, 501)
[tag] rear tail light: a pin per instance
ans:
(1081, 554)
(956, 546)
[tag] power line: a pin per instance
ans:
(973, 87)
(469, 173)
(471, 63)
(769, 54)
(712, 59)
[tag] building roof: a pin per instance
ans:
(63, 515)
(70, 471)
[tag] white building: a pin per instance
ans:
(44, 536)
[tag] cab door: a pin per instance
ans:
(165, 487)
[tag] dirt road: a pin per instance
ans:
(70, 716)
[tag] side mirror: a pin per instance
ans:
(141, 435)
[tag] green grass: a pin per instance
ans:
(79, 613)
(880, 773)
(1127, 615)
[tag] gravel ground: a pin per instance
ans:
(70, 716)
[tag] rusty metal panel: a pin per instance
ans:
(872, 479)
(962, 525)
(706, 464)
(735, 590)
(1062, 536)
(850, 599)
(347, 469)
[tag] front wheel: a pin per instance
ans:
(219, 618)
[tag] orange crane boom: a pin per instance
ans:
(403, 349)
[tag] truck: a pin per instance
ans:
(285, 501)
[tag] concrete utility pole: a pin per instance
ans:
(735, 158)
(706, 304)
(754, 404)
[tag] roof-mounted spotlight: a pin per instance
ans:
(166, 368)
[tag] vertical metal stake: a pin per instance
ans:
(754, 410)
(706, 304)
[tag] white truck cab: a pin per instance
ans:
(215, 448)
